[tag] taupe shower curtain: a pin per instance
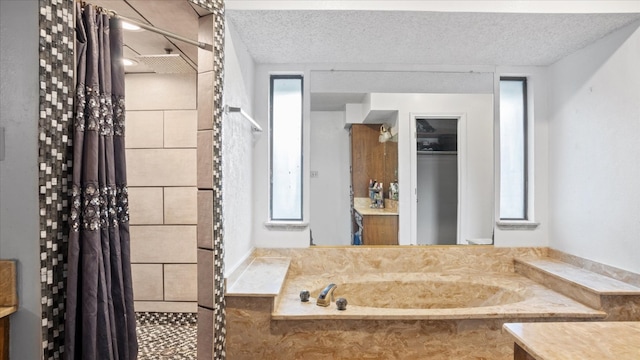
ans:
(100, 321)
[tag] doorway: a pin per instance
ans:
(437, 172)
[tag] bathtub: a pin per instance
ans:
(430, 296)
(436, 303)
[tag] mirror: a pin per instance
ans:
(469, 213)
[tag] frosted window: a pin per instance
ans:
(513, 149)
(286, 148)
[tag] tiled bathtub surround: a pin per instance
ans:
(283, 327)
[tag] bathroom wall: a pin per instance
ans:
(19, 216)
(593, 138)
(237, 142)
(160, 140)
(330, 205)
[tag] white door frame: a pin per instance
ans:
(462, 172)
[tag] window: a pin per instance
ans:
(285, 112)
(513, 148)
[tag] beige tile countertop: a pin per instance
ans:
(578, 340)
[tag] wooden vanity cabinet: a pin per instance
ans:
(380, 230)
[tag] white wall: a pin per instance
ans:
(237, 143)
(19, 219)
(330, 205)
(594, 145)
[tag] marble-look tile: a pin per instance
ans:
(320, 260)
(584, 278)
(264, 276)
(568, 340)
(259, 327)
(572, 290)
(428, 296)
(610, 271)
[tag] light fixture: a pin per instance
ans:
(129, 26)
(129, 62)
(385, 134)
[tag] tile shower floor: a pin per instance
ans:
(166, 336)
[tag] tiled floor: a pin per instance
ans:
(166, 336)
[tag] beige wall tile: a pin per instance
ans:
(144, 129)
(160, 91)
(163, 244)
(205, 101)
(145, 205)
(161, 167)
(165, 306)
(180, 282)
(147, 281)
(205, 35)
(205, 159)
(205, 274)
(180, 128)
(181, 205)
(205, 333)
(205, 219)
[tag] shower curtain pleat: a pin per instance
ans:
(100, 321)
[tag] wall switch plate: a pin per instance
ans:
(314, 174)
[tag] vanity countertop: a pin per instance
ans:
(578, 340)
(362, 210)
(361, 205)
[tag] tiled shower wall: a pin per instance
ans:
(161, 169)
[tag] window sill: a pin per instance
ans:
(286, 225)
(517, 225)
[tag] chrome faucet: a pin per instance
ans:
(324, 299)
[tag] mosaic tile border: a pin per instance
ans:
(218, 338)
(56, 72)
(164, 318)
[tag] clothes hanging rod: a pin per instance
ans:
(256, 126)
(154, 29)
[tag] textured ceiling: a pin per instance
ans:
(411, 37)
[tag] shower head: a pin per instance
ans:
(167, 63)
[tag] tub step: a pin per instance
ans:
(592, 289)
(263, 276)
